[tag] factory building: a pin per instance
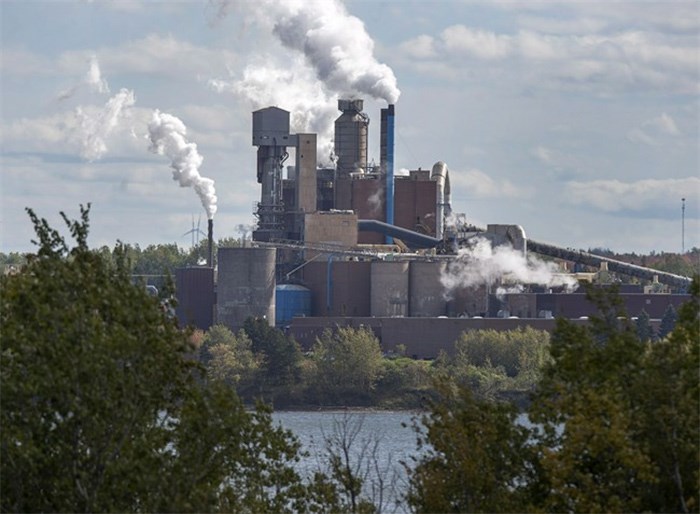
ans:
(358, 244)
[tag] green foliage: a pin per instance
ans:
(620, 416)
(348, 363)
(474, 456)
(229, 357)
(493, 362)
(280, 356)
(668, 321)
(101, 409)
(645, 332)
(617, 427)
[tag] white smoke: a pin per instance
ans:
(92, 79)
(168, 137)
(95, 126)
(376, 200)
(293, 87)
(335, 44)
(482, 264)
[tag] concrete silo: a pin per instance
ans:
(427, 299)
(246, 285)
(389, 294)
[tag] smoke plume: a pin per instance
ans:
(95, 127)
(168, 137)
(335, 44)
(93, 79)
(482, 264)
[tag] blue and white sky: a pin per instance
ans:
(579, 121)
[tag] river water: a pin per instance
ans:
(378, 443)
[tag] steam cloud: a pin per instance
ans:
(93, 128)
(334, 43)
(333, 56)
(482, 264)
(93, 79)
(167, 134)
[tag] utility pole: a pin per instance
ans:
(682, 226)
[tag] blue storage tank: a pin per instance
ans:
(291, 300)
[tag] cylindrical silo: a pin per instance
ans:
(351, 137)
(246, 285)
(389, 292)
(291, 301)
(428, 299)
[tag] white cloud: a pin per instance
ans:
(421, 47)
(654, 131)
(155, 54)
(476, 183)
(655, 198)
(481, 44)
(625, 59)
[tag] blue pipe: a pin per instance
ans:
(390, 169)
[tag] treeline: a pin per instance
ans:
(346, 366)
(685, 264)
(105, 408)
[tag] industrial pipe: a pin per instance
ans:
(210, 242)
(388, 115)
(626, 268)
(443, 200)
(411, 238)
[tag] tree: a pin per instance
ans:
(493, 361)
(668, 321)
(348, 363)
(227, 356)
(620, 416)
(474, 459)
(280, 355)
(101, 409)
(616, 427)
(645, 332)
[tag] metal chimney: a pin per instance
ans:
(210, 243)
(387, 161)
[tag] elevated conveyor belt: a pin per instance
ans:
(590, 259)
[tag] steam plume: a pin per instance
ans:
(93, 79)
(94, 128)
(335, 44)
(167, 134)
(482, 264)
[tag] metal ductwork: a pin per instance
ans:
(409, 237)
(443, 199)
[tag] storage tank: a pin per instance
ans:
(291, 301)
(194, 290)
(427, 299)
(389, 292)
(351, 137)
(246, 285)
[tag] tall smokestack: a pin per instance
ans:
(387, 161)
(210, 242)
